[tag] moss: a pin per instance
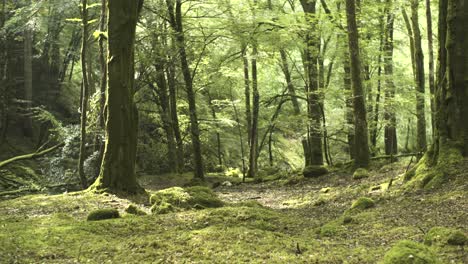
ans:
(409, 252)
(314, 171)
(430, 173)
(363, 203)
(331, 229)
(134, 210)
(325, 190)
(445, 236)
(102, 214)
(348, 219)
(293, 180)
(179, 199)
(203, 196)
(175, 195)
(360, 174)
(250, 203)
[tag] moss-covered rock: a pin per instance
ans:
(409, 252)
(331, 229)
(102, 214)
(179, 199)
(134, 210)
(314, 171)
(363, 203)
(360, 174)
(203, 196)
(445, 236)
(175, 195)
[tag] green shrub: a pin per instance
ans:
(445, 236)
(409, 252)
(314, 171)
(102, 214)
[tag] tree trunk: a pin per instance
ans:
(360, 118)
(28, 80)
(118, 165)
(176, 23)
(84, 94)
(431, 62)
(314, 154)
(420, 79)
(255, 111)
(391, 143)
(171, 83)
(248, 110)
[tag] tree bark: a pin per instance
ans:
(420, 79)
(118, 165)
(391, 143)
(314, 154)
(255, 111)
(360, 119)
(176, 23)
(430, 43)
(84, 94)
(289, 83)
(28, 79)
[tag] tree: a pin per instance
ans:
(420, 78)
(118, 164)
(450, 145)
(360, 118)
(391, 144)
(84, 94)
(175, 18)
(313, 143)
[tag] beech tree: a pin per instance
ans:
(118, 164)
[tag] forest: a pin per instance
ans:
(234, 131)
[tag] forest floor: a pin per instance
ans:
(297, 221)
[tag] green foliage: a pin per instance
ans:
(314, 171)
(445, 236)
(409, 252)
(103, 214)
(363, 203)
(360, 174)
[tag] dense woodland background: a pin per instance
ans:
(221, 85)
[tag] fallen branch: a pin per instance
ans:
(34, 155)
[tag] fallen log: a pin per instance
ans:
(34, 155)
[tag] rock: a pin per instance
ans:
(102, 214)
(314, 171)
(445, 236)
(361, 174)
(363, 203)
(409, 252)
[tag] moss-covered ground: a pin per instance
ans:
(305, 221)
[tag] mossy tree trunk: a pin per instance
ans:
(430, 44)
(313, 149)
(450, 147)
(391, 144)
(360, 119)
(420, 79)
(452, 123)
(118, 165)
